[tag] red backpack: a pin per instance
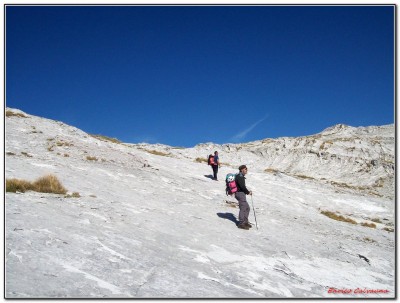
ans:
(231, 186)
(211, 160)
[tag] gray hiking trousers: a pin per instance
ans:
(244, 208)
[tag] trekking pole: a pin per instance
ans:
(252, 204)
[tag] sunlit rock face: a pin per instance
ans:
(147, 221)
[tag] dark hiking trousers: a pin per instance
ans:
(215, 170)
(244, 208)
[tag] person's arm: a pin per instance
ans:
(242, 185)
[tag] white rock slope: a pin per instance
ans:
(154, 225)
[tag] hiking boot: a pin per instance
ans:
(243, 226)
(248, 224)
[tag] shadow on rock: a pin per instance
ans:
(229, 216)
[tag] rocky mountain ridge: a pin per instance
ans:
(349, 158)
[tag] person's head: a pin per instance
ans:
(243, 169)
(215, 153)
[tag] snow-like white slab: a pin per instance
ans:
(153, 226)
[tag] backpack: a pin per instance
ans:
(231, 187)
(211, 160)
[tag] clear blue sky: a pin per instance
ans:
(186, 75)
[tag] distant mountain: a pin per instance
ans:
(349, 158)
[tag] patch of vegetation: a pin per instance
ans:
(91, 158)
(388, 229)
(371, 225)
(105, 138)
(26, 154)
(366, 239)
(376, 220)
(14, 185)
(46, 184)
(66, 155)
(62, 143)
(178, 147)
(93, 196)
(271, 170)
(10, 154)
(375, 194)
(158, 153)
(74, 195)
(49, 184)
(337, 217)
(345, 185)
(267, 141)
(10, 113)
(304, 177)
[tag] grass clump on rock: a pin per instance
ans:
(14, 185)
(10, 113)
(337, 217)
(105, 138)
(49, 184)
(46, 184)
(157, 153)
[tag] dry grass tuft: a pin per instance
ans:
(105, 138)
(345, 185)
(62, 143)
(26, 154)
(49, 184)
(158, 153)
(304, 177)
(271, 170)
(371, 225)
(46, 184)
(91, 158)
(337, 217)
(10, 113)
(74, 195)
(14, 185)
